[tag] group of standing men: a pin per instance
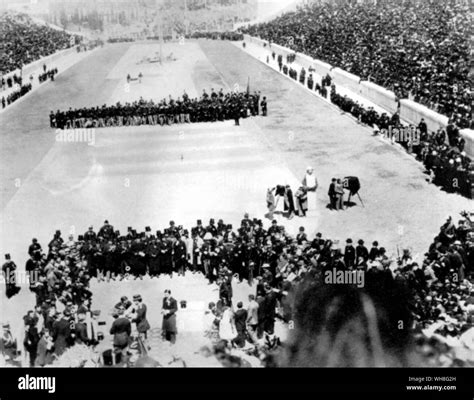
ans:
(297, 204)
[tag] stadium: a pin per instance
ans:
(178, 180)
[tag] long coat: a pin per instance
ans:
(140, 320)
(44, 355)
(169, 320)
(61, 335)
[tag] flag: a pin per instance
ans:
(248, 85)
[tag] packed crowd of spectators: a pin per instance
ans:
(441, 152)
(216, 106)
(22, 41)
(443, 294)
(418, 49)
(433, 297)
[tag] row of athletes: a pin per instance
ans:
(110, 255)
(208, 108)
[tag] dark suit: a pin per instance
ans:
(61, 335)
(361, 251)
(121, 329)
(81, 333)
(349, 256)
(141, 321)
(374, 253)
(332, 195)
(179, 256)
(240, 319)
(169, 320)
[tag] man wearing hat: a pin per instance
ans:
(62, 333)
(310, 183)
(90, 235)
(121, 329)
(179, 255)
(289, 202)
(212, 227)
(301, 236)
(169, 309)
(361, 251)
(374, 251)
(80, 329)
(221, 227)
(35, 249)
(349, 254)
(107, 231)
(199, 229)
(9, 274)
(139, 311)
(173, 230)
(57, 241)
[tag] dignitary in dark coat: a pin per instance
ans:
(240, 320)
(32, 336)
(349, 255)
(80, 329)
(170, 307)
(179, 255)
(139, 311)
(62, 333)
(263, 104)
(153, 251)
(289, 202)
(362, 252)
(9, 274)
(332, 194)
(121, 329)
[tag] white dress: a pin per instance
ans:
(310, 181)
(226, 327)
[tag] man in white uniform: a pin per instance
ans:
(311, 184)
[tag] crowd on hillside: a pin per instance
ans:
(418, 49)
(22, 41)
(437, 291)
(210, 107)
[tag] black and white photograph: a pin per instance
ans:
(265, 184)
